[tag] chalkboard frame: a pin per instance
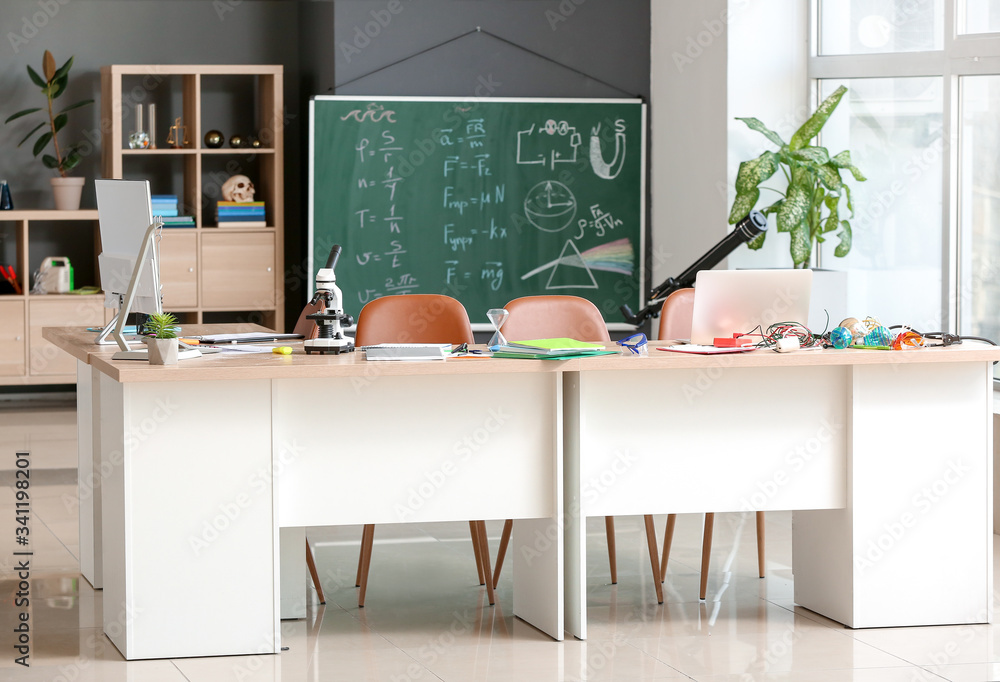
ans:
(641, 199)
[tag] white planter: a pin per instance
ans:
(162, 351)
(67, 193)
(829, 293)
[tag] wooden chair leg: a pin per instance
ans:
(668, 538)
(653, 559)
(484, 552)
(477, 550)
(706, 553)
(311, 563)
(760, 543)
(508, 525)
(366, 553)
(361, 554)
(609, 528)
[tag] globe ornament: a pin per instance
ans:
(214, 139)
(841, 337)
(236, 141)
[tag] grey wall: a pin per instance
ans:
(323, 45)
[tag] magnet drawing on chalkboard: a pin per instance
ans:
(603, 169)
(550, 206)
(617, 256)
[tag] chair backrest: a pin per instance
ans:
(308, 328)
(542, 317)
(676, 314)
(413, 318)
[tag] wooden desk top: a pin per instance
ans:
(233, 366)
(79, 343)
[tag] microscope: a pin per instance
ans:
(331, 337)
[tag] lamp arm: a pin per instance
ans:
(745, 230)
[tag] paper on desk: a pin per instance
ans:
(706, 350)
(241, 348)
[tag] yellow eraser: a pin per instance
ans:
(282, 350)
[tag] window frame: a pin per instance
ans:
(976, 54)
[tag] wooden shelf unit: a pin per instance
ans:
(207, 269)
(25, 357)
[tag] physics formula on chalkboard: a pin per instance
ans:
(483, 200)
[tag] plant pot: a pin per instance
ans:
(829, 293)
(67, 193)
(162, 351)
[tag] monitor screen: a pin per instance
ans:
(126, 212)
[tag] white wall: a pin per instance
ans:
(714, 60)
(688, 121)
(767, 80)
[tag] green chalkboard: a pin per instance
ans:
(484, 200)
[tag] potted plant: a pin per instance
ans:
(66, 190)
(809, 209)
(162, 342)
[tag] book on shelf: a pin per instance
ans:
(179, 221)
(239, 203)
(242, 223)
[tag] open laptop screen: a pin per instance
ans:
(728, 302)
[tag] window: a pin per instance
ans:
(925, 129)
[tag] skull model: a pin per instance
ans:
(238, 188)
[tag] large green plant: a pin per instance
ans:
(53, 85)
(810, 207)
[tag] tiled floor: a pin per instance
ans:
(427, 619)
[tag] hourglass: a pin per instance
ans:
(497, 317)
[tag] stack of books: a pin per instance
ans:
(240, 214)
(165, 206)
(549, 349)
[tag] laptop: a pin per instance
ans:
(727, 302)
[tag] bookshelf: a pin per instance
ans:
(209, 273)
(25, 357)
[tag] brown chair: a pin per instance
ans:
(675, 323)
(418, 318)
(309, 330)
(540, 317)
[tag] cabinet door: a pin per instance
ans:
(45, 359)
(179, 269)
(12, 343)
(237, 270)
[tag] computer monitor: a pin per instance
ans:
(728, 302)
(126, 212)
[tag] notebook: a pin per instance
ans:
(737, 301)
(408, 351)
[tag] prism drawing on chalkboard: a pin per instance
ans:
(574, 270)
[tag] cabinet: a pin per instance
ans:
(25, 357)
(208, 273)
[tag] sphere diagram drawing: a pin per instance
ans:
(550, 206)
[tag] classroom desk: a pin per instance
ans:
(885, 456)
(80, 344)
(216, 454)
